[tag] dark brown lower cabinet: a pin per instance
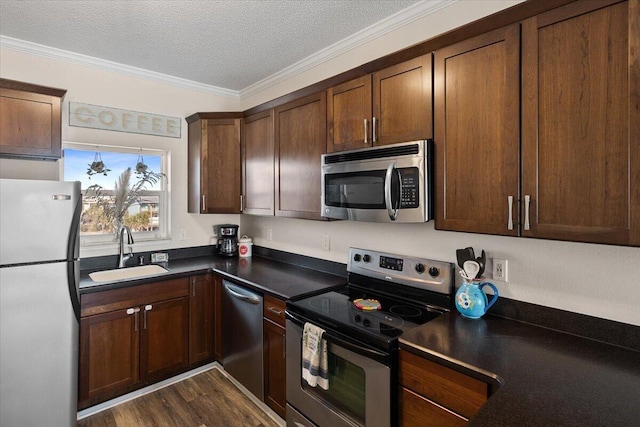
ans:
(164, 339)
(132, 337)
(274, 345)
(202, 335)
(431, 394)
(109, 360)
(217, 344)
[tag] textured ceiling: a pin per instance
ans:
(229, 44)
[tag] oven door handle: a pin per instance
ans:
(341, 342)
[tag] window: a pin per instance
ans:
(146, 216)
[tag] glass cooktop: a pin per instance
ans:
(389, 321)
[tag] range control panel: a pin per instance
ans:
(391, 263)
(436, 276)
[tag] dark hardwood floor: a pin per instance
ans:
(204, 400)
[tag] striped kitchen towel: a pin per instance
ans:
(315, 364)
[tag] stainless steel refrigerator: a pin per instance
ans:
(39, 302)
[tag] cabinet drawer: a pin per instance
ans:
(274, 309)
(444, 386)
(416, 411)
(118, 299)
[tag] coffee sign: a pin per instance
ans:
(106, 118)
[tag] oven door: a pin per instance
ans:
(359, 391)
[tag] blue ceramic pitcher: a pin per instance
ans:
(471, 301)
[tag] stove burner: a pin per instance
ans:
(405, 311)
(328, 305)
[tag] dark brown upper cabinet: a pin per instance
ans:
(30, 120)
(389, 106)
(214, 164)
(577, 156)
(581, 123)
(258, 164)
(477, 133)
(300, 140)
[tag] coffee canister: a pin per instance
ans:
(244, 246)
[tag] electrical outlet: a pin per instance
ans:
(326, 242)
(183, 234)
(500, 271)
(269, 233)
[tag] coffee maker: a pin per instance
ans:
(228, 239)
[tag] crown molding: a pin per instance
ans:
(387, 25)
(102, 64)
(380, 28)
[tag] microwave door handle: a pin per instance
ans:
(392, 209)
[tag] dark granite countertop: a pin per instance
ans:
(540, 376)
(267, 275)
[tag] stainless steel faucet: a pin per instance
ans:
(123, 258)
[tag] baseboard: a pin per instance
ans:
(157, 386)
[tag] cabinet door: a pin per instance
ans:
(201, 319)
(30, 122)
(164, 339)
(108, 355)
(214, 166)
(416, 411)
(258, 164)
(300, 130)
(274, 365)
(478, 134)
(349, 115)
(402, 102)
(221, 167)
(217, 345)
(581, 123)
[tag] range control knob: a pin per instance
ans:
(366, 322)
(434, 272)
(357, 318)
(366, 258)
(420, 268)
(357, 257)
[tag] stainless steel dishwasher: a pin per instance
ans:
(242, 337)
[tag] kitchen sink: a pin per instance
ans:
(126, 273)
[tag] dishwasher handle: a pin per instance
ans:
(242, 294)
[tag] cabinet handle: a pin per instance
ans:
(204, 204)
(366, 128)
(146, 308)
(527, 201)
(373, 130)
(135, 312)
(273, 310)
(510, 201)
(241, 203)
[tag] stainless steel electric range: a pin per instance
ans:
(385, 296)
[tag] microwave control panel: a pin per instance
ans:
(410, 197)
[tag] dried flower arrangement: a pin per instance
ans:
(125, 194)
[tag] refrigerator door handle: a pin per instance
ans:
(72, 278)
(73, 241)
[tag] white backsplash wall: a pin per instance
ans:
(597, 280)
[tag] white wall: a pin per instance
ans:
(105, 88)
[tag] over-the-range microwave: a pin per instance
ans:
(390, 183)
